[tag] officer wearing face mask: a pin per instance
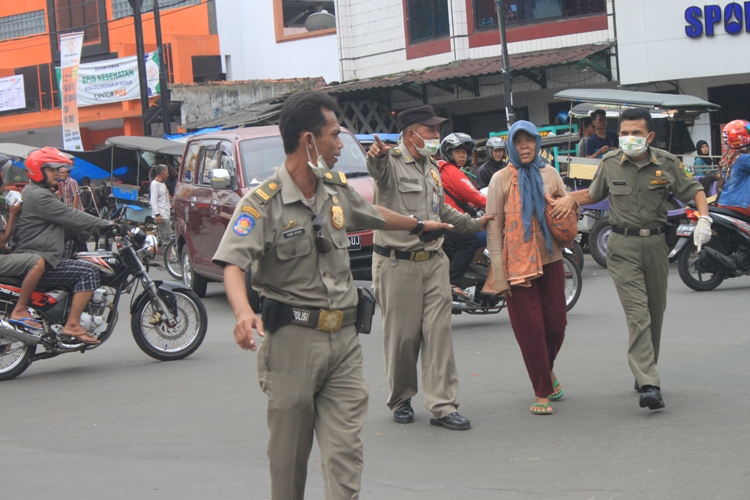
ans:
(638, 179)
(410, 275)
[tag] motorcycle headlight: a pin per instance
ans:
(151, 246)
(138, 236)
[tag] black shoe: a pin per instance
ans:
(452, 421)
(651, 398)
(636, 387)
(404, 414)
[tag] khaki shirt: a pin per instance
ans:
(638, 192)
(412, 187)
(271, 228)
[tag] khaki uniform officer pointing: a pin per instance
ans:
(293, 228)
(638, 180)
(410, 276)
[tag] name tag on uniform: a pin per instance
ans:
(659, 181)
(435, 201)
(620, 183)
(294, 232)
(409, 180)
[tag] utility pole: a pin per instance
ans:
(510, 115)
(141, 55)
(162, 73)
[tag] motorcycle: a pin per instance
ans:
(726, 255)
(479, 302)
(168, 320)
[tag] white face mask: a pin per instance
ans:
(322, 167)
(431, 146)
(632, 145)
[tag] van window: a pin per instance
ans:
(262, 157)
(210, 159)
(191, 161)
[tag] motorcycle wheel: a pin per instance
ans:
(15, 357)
(687, 267)
(190, 278)
(573, 281)
(598, 238)
(577, 254)
(165, 343)
(172, 261)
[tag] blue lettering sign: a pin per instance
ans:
(694, 29)
(712, 15)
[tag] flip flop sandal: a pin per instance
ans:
(23, 324)
(558, 393)
(83, 340)
(543, 409)
(455, 290)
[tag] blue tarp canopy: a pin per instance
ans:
(370, 138)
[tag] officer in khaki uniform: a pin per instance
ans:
(410, 276)
(638, 180)
(292, 230)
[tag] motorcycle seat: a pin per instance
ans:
(729, 213)
(16, 281)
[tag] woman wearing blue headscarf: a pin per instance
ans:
(526, 259)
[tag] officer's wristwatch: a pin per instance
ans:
(420, 225)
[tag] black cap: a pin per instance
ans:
(424, 115)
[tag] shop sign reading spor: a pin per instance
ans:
(733, 15)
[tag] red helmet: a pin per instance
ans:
(736, 134)
(45, 157)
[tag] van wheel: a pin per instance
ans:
(192, 280)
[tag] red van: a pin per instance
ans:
(218, 169)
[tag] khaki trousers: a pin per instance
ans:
(415, 301)
(315, 384)
(639, 267)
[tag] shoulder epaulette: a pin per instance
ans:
(335, 178)
(396, 152)
(615, 153)
(433, 161)
(267, 190)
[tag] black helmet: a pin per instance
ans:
(457, 140)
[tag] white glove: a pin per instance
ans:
(702, 232)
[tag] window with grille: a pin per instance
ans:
(74, 15)
(428, 19)
(122, 8)
(28, 23)
(526, 11)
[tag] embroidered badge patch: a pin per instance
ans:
(251, 211)
(337, 218)
(244, 225)
(659, 181)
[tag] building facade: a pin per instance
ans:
(690, 48)
(267, 40)
(396, 54)
(29, 33)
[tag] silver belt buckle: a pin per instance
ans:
(644, 232)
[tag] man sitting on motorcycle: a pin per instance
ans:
(40, 230)
(735, 194)
(496, 149)
(29, 266)
(461, 194)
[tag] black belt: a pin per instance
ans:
(415, 256)
(276, 314)
(639, 232)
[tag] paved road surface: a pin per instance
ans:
(115, 424)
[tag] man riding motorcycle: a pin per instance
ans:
(40, 230)
(461, 194)
(496, 149)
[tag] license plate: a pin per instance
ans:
(354, 243)
(685, 229)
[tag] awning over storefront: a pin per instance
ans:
(634, 98)
(458, 72)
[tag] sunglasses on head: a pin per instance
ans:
(323, 245)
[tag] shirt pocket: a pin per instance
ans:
(289, 267)
(410, 196)
(341, 250)
(619, 197)
(657, 196)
